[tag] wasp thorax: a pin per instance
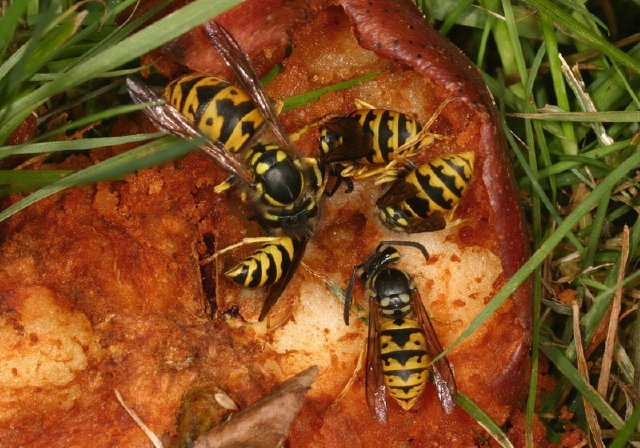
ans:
(393, 288)
(280, 179)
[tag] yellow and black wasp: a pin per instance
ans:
(401, 341)
(226, 122)
(419, 201)
(368, 136)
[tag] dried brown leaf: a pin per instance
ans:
(266, 423)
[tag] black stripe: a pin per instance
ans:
(436, 194)
(256, 274)
(449, 181)
(400, 336)
(416, 206)
(285, 256)
(403, 131)
(205, 94)
(367, 120)
(404, 375)
(406, 390)
(233, 115)
(242, 276)
(385, 133)
(402, 356)
(459, 168)
(185, 87)
(272, 273)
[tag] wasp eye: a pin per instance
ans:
(329, 140)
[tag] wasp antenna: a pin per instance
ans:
(349, 294)
(414, 244)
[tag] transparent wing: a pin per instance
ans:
(432, 223)
(239, 62)
(170, 120)
(375, 387)
(398, 192)
(356, 144)
(443, 377)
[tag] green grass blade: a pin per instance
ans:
(479, 415)
(570, 372)
(94, 118)
(160, 32)
(12, 13)
(559, 86)
(156, 152)
(528, 24)
(121, 32)
(32, 176)
(594, 315)
(305, 98)
(74, 145)
(11, 83)
(603, 189)
(52, 43)
(585, 34)
(609, 91)
(584, 117)
(581, 11)
(622, 439)
(453, 15)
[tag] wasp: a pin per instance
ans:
(401, 340)
(419, 201)
(226, 122)
(368, 136)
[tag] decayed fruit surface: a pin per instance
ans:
(101, 287)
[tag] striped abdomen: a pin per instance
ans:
(440, 183)
(388, 131)
(409, 204)
(403, 350)
(219, 109)
(266, 265)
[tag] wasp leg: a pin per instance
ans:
(352, 380)
(335, 172)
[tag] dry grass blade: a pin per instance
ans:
(592, 418)
(266, 423)
(154, 439)
(584, 99)
(616, 306)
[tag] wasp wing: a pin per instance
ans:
(276, 290)
(356, 143)
(398, 192)
(401, 191)
(443, 377)
(239, 62)
(432, 223)
(170, 120)
(375, 387)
